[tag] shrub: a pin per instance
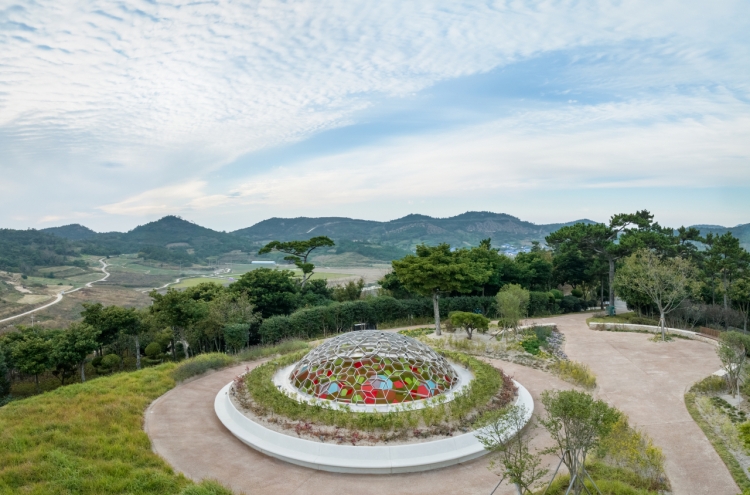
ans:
(577, 293)
(416, 332)
(540, 303)
(570, 304)
(629, 448)
(531, 345)
(109, 363)
(557, 294)
(153, 351)
(710, 384)
(200, 364)
(576, 373)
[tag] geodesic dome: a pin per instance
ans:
(372, 367)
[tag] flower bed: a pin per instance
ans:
(485, 397)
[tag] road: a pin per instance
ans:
(60, 294)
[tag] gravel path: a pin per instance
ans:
(645, 379)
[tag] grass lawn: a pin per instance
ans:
(88, 439)
(192, 282)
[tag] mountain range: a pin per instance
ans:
(174, 239)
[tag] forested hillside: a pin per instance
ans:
(21, 250)
(405, 233)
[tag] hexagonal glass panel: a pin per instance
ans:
(373, 367)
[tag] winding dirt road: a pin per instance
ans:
(60, 294)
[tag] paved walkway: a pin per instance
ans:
(645, 379)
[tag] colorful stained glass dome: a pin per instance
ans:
(372, 367)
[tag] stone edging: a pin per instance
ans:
(651, 329)
(356, 459)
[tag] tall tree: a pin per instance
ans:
(271, 292)
(178, 311)
(438, 269)
(298, 251)
(31, 353)
(666, 282)
(625, 233)
(70, 348)
(732, 351)
(739, 293)
(727, 260)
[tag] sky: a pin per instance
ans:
(113, 113)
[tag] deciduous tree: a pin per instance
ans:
(469, 322)
(732, 351)
(665, 281)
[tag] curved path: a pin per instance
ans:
(645, 379)
(62, 293)
(648, 380)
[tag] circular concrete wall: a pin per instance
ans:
(415, 457)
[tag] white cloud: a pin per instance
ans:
(108, 99)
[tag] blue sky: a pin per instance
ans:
(113, 114)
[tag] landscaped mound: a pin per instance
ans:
(371, 367)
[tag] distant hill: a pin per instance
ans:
(405, 233)
(741, 232)
(73, 232)
(22, 250)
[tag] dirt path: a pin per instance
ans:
(60, 294)
(645, 379)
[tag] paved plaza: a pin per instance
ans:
(646, 380)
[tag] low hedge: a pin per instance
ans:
(320, 321)
(485, 395)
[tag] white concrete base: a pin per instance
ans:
(356, 459)
(652, 329)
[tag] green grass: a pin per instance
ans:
(192, 282)
(610, 480)
(729, 460)
(86, 439)
(576, 373)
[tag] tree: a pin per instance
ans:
(298, 251)
(236, 336)
(469, 322)
(624, 233)
(352, 291)
(438, 269)
(666, 282)
(577, 423)
(510, 451)
(512, 304)
(4, 372)
(727, 259)
(71, 347)
(732, 351)
(271, 292)
(739, 293)
(178, 311)
(31, 353)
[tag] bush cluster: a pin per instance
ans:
(339, 317)
(489, 391)
(574, 372)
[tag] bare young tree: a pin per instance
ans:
(732, 351)
(667, 282)
(510, 451)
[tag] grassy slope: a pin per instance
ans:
(729, 460)
(86, 438)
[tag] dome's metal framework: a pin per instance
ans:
(373, 367)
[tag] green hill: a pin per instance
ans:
(22, 250)
(73, 232)
(404, 233)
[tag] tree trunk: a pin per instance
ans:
(83, 371)
(601, 296)
(36, 380)
(137, 352)
(662, 324)
(436, 308)
(612, 284)
(174, 350)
